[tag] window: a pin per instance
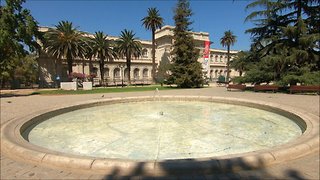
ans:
(106, 72)
(126, 72)
(221, 58)
(145, 53)
(136, 73)
(216, 58)
(145, 72)
(95, 70)
(216, 73)
(116, 73)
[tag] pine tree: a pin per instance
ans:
(186, 71)
(285, 46)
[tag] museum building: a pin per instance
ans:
(213, 61)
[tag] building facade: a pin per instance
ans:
(141, 67)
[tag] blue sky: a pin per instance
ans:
(111, 16)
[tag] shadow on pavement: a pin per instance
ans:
(193, 169)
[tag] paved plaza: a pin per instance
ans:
(12, 108)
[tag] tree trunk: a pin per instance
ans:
(90, 69)
(129, 68)
(228, 68)
(69, 61)
(2, 82)
(83, 64)
(39, 71)
(153, 52)
(299, 10)
(102, 70)
(90, 66)
(56, 83)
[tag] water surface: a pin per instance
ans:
(159, 130)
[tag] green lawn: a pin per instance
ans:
(105, 90)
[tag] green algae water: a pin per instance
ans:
(160, 130)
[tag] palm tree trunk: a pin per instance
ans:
(69, 61)
(102, 71)
(90, 68)
(56, 73)
(228, 60)
(129, 68)
(153, 56)
(69, 66)
(83, 63)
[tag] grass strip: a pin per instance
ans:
(103, 90)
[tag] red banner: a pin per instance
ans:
(206, 49)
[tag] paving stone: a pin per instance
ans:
(95, 176)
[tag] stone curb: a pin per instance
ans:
(15, 146)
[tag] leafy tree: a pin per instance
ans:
(153, 22)
(285, 40)
(103, 49)
(18, 31)
(226, 41)
(26, 70)
(240, 62)
(128, 46)
(65, 41)
(186, 71)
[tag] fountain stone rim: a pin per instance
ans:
(15, 146)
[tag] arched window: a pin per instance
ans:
(145, 72)
(116, 73)
(221, 58)
(145, 53)
(216, 73)
(211, 57)
(216, 58)
(106, 72)
(95, 70)
(126, 72)
(136, 73)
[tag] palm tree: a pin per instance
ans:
(89, 52)
(103, 50)
(129, 47)
(227, 40)
(153, 22)
(65, 41)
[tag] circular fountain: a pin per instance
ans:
(142, 131)
(183, 134)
